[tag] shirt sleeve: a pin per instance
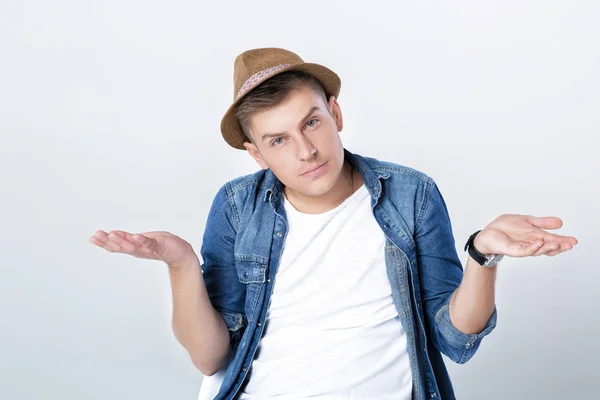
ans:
(225, 291)
(440, 273)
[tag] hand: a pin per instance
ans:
(522, 236)
(163, 246)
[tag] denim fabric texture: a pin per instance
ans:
(243, 242)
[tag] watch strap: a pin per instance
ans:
(475, 254)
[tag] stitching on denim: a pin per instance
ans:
(425, 204)
(243, 184)
(418, 174)
(231, 201)
(252, 258)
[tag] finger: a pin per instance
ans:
(108, 244)
(146, 247)
(552, 237)
(97, 242)
(545, 222)
(144, 241)
(126, 235)
(563, 247)
(126, 245)
(524, 249)
(553, 253)
(548, 246)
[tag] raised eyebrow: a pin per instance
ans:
(271, 135)
(308, 114)
(302, 122)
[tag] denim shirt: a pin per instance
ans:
(243, 242)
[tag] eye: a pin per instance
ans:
(277, 141)
(312, 123)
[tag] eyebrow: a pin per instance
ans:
(273, 135)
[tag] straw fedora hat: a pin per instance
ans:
(253, 67)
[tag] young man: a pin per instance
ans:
(327, 274)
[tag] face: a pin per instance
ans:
(299, 141)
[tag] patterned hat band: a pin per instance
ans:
(257, 77)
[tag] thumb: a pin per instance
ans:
(546, 222)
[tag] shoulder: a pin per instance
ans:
(230, 197)
(241, 188)
(245, 182)
(397, 173)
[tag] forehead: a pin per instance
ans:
(291, 110)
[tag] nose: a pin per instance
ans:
(306, 151)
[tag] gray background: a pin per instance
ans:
(109, 115)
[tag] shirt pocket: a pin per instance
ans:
(253, 274)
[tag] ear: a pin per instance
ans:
(253, 151)
(336, 112)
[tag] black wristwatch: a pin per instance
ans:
(485, 261)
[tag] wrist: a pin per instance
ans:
(479, 243)
(188, 262)
(479, 252)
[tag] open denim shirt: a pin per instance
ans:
(243, 243)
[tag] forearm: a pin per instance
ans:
(472, 304)
(196, 324)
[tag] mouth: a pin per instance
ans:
(315, 171)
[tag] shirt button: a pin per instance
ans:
(386, 226)
(433, 395)
(268, 280)
(243, 369)
(279, 234)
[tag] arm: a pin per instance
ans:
(472, 304)
(459, 308)
(440, 274)
(207, 301)
(213, 292)
(196, 324)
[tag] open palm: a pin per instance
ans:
(157, 245)
(522, 236)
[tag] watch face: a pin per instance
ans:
(493, 260)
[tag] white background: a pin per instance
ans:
(109, 119)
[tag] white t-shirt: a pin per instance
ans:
(332, 330)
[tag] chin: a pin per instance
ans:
(316, 187)
(320, 188)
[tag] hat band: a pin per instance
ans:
(249, 84)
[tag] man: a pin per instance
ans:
(328, 274)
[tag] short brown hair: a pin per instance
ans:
(272, 92)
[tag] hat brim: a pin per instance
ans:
(230, 127)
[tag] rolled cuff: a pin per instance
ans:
(235, 323)
(465, 344)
